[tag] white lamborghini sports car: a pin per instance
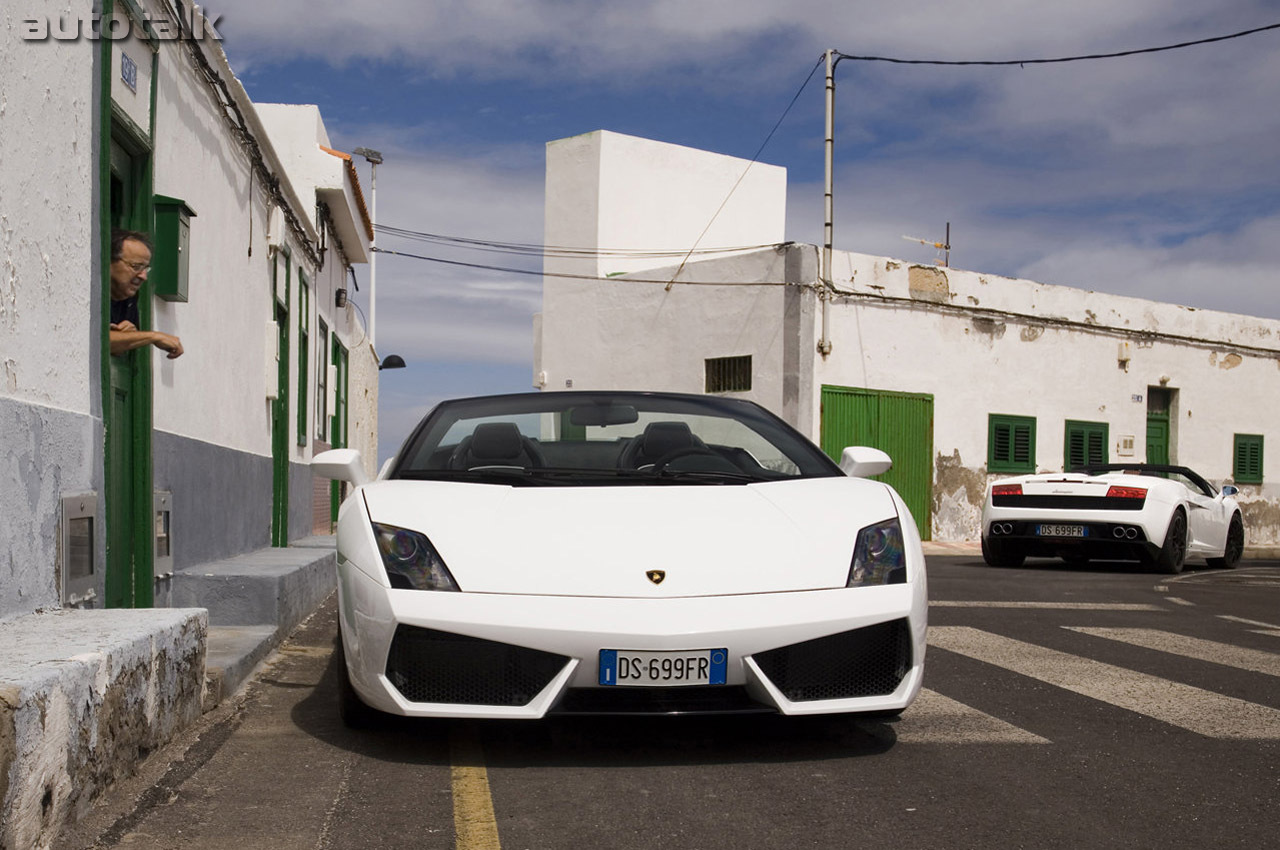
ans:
(623, 553)
(1160, 515)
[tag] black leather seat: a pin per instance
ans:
(496, 444)
(658, 440)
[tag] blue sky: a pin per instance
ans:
(1156, 176)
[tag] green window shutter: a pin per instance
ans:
(1011, 443)
(1248, 459)
(1086, 444)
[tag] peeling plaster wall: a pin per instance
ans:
(1050, 363)
(50, 323)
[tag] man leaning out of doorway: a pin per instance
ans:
(130, 263)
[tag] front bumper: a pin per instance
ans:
(436, 654)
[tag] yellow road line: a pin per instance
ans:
(473, 819)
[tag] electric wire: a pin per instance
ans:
(591, 277)
(536, 250)
(1083, 58)
(741, 177)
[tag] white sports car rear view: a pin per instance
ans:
(1160, 515)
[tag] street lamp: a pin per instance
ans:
(374, 158)
(391, 361)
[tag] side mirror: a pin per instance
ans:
(1229, 489)
(864, 462)
(342, 465)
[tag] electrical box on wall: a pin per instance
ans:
(79, 548)
(170, 259)
(163, 504)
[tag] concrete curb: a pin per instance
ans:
(87, 695)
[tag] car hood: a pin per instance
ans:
(603, 541)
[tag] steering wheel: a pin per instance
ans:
(661, 463)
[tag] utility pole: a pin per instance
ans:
(824, 344)
(374, 159)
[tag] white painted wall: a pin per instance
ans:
(50, 330)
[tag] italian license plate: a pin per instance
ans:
(1062, 531)
(663, 668)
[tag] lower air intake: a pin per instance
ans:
(431, 666)
(868, 662)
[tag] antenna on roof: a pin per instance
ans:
(944, 245)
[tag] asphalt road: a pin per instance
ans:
(1081, 707)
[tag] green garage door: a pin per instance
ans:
(900, 424)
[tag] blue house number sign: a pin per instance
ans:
(129, 72)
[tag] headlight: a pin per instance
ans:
(879, 556)
(411, 562)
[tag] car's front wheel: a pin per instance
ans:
(1173, 554)
(1001, 554)
(1235, 546)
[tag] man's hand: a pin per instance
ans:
(168, 343)
(125, 326)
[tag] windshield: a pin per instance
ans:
(545, 439)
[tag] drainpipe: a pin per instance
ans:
(824, 344)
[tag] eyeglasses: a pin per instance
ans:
(138, 268)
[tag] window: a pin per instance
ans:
(1248, 459)
(728, 374)
(322, 375)
(304, 326)
(1085, 444)
(1011, 443)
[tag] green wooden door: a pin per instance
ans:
(280, 434)
(338, 423)
(900, 424)
(129, 577)
(1158, 438)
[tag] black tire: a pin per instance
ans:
(1235, 546)
(1000, 554)
(353, 711)
(1173, 554)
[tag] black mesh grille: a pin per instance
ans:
(862, 663)
(712, 699)
(430, 666)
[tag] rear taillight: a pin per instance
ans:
(1127, 493)
(1007, 490)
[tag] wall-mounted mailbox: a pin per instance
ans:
(79, 550)
(170, 261)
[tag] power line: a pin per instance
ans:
(1179, 46)
(741, 177)
(591, 277)
(539, 250)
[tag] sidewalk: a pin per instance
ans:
(85, 696)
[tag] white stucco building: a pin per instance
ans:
(960, 376)
(118, 470)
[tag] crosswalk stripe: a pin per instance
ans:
(1194, 709)
(937, 719)
(1067, 606)
(1242, 658)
